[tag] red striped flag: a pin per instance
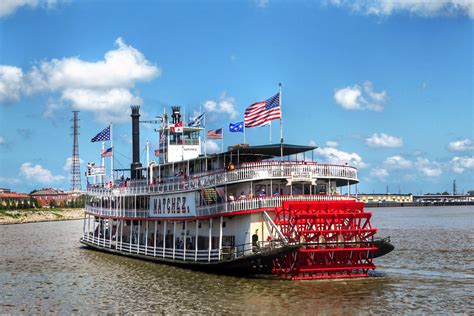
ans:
(215, 134)
(261, 113)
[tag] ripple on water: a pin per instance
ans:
(45, 270)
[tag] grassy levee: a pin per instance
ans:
(39, 215)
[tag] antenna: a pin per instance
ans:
(75, 163)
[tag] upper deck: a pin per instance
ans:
(291, 171)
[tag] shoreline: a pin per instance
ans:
(416, 204)
(11, 217)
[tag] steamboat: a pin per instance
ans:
(246, 210)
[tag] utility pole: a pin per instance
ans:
(75, 163)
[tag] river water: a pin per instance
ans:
(44, 269)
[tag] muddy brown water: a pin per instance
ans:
(44, 269)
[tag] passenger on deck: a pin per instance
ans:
(242, 195)
(231, 197)
(276, 193)
(262, 193)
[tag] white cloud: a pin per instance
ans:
(424, 8)
(348, 97)
(361, 98)
(225, 105)
(460, 164)
(262, 3)
(331, 143)
(383, 140)
(2, 140)
(9, 180)
(379, 173)
(103, 87)
(335, 156)
(210, 106)
(10, 83)
(39, 174)
(397, 162)
(461, 145)
(212, 147)
(111, 105)
(8, 7)
(67, 166)
(428, 168)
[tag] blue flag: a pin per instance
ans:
(196, 121)
(236, 127)
(102, 136)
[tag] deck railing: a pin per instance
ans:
(150, 250)
(226, 252)
(247, 171)
(247, 204)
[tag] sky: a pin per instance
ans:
(386, 86)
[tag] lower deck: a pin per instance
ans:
(208, 240)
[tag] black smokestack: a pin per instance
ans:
(136, 172)
(176, 116)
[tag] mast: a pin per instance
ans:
(112, 157)
(281, 122)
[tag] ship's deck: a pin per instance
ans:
(289, 170)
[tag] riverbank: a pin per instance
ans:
(39, 215)
(417, 204)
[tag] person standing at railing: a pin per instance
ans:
(276, 193)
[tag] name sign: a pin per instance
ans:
(173, 205)
(301, 177)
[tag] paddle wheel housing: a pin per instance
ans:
(338, 240)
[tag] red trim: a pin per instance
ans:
(185, 218)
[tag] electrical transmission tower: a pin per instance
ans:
(75, 163)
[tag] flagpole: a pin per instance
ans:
(205, 136)
(281, 122)
(270, 126)
(244, 133)
(222, 144)
(103, 163)
(112, 157)
(147, 153)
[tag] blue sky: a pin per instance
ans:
(386, 86)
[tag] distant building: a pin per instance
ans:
(13, 199)
(47, 195)
(432, 198)
(385, 198)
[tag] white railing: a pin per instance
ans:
(263, 203)
(247, 171)
(226, 207)
(133, 213)
(140, 249)
(203, 255)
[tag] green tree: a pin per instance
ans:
(52, 203)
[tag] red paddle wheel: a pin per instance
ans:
(337, 238)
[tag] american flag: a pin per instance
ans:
(261, 113)
(215, 134)
(107, 152)
(102, 136)
(162, 137)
